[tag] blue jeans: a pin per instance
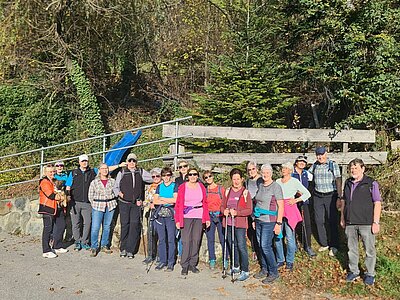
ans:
(210, 233)
(98, 218)
(240, 248)
(290, 247)
(165, 228)
(265, 236)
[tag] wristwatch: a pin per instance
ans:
(377, 223)
(279, 223)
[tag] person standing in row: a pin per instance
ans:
(326, 198)
(305, 177)
(129, 186)
(191, 212)
(215, 195)
(360, 216)
(102, 199)
(164, 201)
(238, 206)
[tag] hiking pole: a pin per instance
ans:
(141, 225)
(233, 249)
(150, 240)
(224, 258)
(303, 230)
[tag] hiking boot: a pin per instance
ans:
(333, 251)
(78, 246)
(122, 253)
(160, 266)
(147, 260)
(130, 255)
(243, 276)
(280, 264)
(369, 280)
(323, 248)
(170, 269)
(184, 271)
(212, 264)
(194, 270)
(86, 247)
(106, 250)
(310, 252)
(261, 274)
(270, 279)
(49, 255)
(93, 252)
(351, 277)
(289, 266)
(60, 251)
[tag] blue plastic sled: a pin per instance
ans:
(114, 157)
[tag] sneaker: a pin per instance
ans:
(270, 279)
(170, 269)
(194, 270)
(235, 270)
(280, 264)
(147, 260)
(289, 266)
(61, 250)
(160, 266)
(106, 250)
(130, 255)
(122, 253)
(261, 274)
(212, 264)
(86, 247)
(49, 255)
(310, 252)
(333, 251)
(243, 276)
(351, 277)
(369, 280)
(93, 252)
(323, 248)
(78, 246)
(184, 271)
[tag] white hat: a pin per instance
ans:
(131, 156)
(83, 157)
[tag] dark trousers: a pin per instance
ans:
(191, 237)
(129, 214)
(216, 224)
(166, 229)
(151, 235)
(53, 226)
(304, 228)
(326, 205)
(241, 255)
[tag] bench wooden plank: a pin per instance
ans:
(272, 134)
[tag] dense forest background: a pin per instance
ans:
(76, 68)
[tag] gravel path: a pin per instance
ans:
(24, 274)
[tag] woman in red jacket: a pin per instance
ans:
(191, 212)
(53, 215)
(238, 204)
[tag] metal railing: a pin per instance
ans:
(103, 137)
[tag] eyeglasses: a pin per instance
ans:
(193, 174)
(183, 166)
(168, 174)
(251, 169)
(207, 177)
(156, 176)
(59, 166)
(131, 160)
(85, 160)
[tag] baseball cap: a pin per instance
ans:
(131, 156)
(83, 157)
(320, 150)
(301, 158)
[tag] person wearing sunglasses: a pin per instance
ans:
(215, 195)
(129, 186)
(164, 201)
(191, 212)
(148, 213)
(183, 168)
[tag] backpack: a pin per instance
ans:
(219, 191)
(244, 193)
(330, 167)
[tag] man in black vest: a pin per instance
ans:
(129, 186)
(360, 215)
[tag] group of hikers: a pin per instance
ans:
(178, 210)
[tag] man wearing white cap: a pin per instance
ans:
(129, 186)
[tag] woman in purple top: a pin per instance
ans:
(191, 211)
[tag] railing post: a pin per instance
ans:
(41, 162)
(176, 145)
(104, 149)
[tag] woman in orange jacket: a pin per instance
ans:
(53, 215)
